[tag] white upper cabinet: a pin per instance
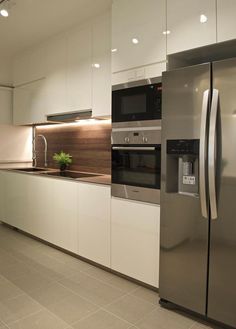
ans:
(79, 69)
(70, 72)
(101, 66)
(137, 33)
(29, 103)
(30, 66)
(55, 83)
(6, 96)
(226, 22)
(190, 24)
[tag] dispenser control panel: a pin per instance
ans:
(183, 146)
(183, 166)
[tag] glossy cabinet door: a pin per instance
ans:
(2, 194)
(137, 33)
(226, 23)
(29, 103)
(41, 207)
(55, 83)
(6, 111)
(30, 66)
(94, 222)
(101, 66)
(16, 199)
(79, 69)
(65, 214)
(186, 31)
(135, 229)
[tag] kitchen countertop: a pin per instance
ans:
(100, 179)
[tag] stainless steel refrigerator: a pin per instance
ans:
(198, 190)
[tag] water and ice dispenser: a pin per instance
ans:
(182, 167)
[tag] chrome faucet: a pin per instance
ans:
(34, 150)
(45, 149)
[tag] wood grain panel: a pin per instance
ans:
(89, 145)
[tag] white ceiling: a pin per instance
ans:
(32, 21)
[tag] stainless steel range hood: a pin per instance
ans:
(70, 117)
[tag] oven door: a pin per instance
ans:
(136, 172)
(137, 103)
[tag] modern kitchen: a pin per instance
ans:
(117, 173)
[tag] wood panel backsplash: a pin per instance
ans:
(89, 145)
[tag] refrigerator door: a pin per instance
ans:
(184, 228)
(222, 271)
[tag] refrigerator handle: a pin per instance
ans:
(212, 149)
(202, 153)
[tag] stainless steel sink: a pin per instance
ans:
(31, 169)
(70, 174)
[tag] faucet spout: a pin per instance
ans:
(45, 149)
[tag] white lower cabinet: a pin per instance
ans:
(15, 199)
(94, 222)
(65, 212)
(40, 219)
(135, 228)
(83, 218)
(2, 192)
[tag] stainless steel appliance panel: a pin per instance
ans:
(222, 272)
(184, 230)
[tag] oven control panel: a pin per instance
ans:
(136, 137)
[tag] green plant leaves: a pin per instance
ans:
(62, 158)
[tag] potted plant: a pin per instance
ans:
(63, 159)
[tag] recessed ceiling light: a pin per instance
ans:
(4, 7)
(166, 32)
(114, 50)
(135, 41)
(96, 65)
(4, 13)
(203, 18)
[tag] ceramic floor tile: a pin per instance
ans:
(147, 294)
(165, 319)
(101, 320)
(51, 294)
(131, 308)
(40, 320)
(8, 290)
(116, 281)
(31, 281)
(71, 262)
(12, 271)
(93, 290)
(16, 308)
(72, 308)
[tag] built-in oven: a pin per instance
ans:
(136, 163)
(136, 102)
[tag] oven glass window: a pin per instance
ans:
(137, 168)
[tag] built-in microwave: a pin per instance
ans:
(137, 101)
